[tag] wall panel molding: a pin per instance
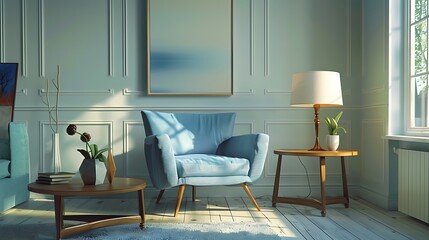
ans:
(252, 37)
(128, 92)
(349, 39)
(375, 90)
(266, 38)
(125, 38)
(111, 40)
(126, 126)
(23, 91)
(250, 91)
(24, 44)
(249, 124)
(2, 38)
(41, 25)
(78, 92)
(268, 91)
(127, 149)
(378, 82)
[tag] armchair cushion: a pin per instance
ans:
(191, 133)
(206, 165)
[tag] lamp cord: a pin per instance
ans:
(308, 179)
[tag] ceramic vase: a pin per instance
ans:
(111, 167)
(92, 171)
(332, 141)
(56, 158)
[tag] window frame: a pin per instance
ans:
(409, 84)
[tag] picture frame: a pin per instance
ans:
(189, 57)
(8, 82)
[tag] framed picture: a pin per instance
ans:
(8, 82)
(189, 47)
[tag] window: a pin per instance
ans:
(418, 72)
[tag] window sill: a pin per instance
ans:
(407, 138)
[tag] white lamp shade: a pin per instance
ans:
(316, 87)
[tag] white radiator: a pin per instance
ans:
(413, 183)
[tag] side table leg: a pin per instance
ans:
(59, 214)
(345, 187)
(322, 185)
(277, 181)
(141, 208)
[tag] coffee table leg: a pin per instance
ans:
(141, 208)
(322, 185)
(59, 214)
(277, 181)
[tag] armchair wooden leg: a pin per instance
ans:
(247, 190)
(161, 192)
(179, 198)
(194, 192)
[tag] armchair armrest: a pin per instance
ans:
(161, 161)
(19, 149)
(253, 147)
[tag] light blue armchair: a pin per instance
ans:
(14, 166)
(199, 150)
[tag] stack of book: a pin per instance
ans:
(54, 177)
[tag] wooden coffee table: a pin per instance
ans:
(76, 188)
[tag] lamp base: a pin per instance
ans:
(317, 146)
(317, 149)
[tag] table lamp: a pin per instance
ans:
(316, 89)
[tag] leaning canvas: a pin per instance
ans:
(8, 82)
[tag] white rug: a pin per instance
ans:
(153, 231)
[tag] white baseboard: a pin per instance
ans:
(379, 199)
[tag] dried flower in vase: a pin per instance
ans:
(91, 151)
(52, 109)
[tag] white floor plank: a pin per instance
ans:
(219, 210)
(371, 224)
(406, 225)
(305, 227)
(325, 224)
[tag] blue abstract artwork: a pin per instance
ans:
(190, 47)
(8, 79)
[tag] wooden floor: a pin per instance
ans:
(360, 221)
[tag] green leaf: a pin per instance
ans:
(92, 150)
(100, 152)
(344, 130)
(337, 118)
(101, 157)
(84, 153)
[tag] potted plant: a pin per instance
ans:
(333, 139)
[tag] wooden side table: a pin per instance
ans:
(118, 186)
(320, 204)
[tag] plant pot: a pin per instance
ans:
(92, 171)
(332, 141)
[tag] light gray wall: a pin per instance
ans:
(382, 100)
(101, 47)
(374, 169)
